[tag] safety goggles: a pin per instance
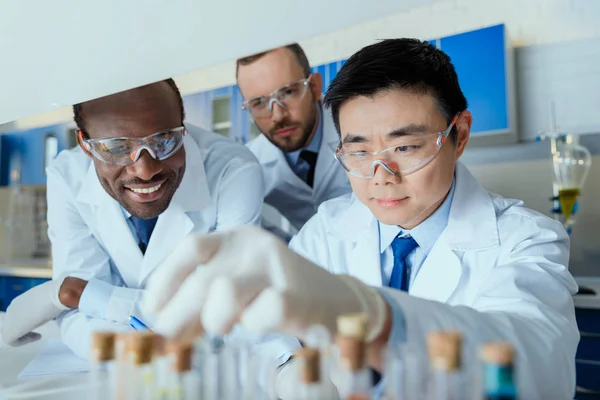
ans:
(289, 95)
(126, 150)
(410, 154)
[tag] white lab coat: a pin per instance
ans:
(221, 188)
(288, 193)
(500, 269)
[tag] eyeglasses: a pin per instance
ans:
(410, 154)
(126, 151)
(288, 95)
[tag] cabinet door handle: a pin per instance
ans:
(579, 389)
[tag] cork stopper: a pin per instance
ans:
(160, 348)
(311, 365)
(140, 347)
(103, 346)
(444, 350)
(121, 339)
(352, 325)
(180, 354)
(500, 353)
(351, 334)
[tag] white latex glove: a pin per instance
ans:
(29, 311)
(249, 275)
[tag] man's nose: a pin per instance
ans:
(146, 167)
(278, 111)
(385, 172)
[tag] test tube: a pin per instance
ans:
(101, 360)
(498, 368)
(140, 379)
(311, 387)
(444, 349)
(161, 368)
(407, 373)
(221, 369)
(121, 367)
(318, 337)
(180, 382)
(355, 380)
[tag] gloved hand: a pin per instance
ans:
(250, 276)
(29, 311)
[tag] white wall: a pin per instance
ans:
(528, 22)
(56, 53)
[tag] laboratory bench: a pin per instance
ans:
(19, 276)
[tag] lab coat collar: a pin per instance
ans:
(192, 194)
(472, 223)
(426, 233)
(472, 226)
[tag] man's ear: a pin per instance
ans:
(83, 144)
(463, 132)
(316, 85)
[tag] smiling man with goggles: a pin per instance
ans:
(412, 152)
(126, 151)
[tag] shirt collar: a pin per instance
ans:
(314, 144)
(426, 233)
(126, 213)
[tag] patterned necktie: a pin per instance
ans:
(311, 158)
(144, 228)
(401, 246)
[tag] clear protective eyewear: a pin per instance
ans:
(126, 150)
(289, 95)
(410, 154)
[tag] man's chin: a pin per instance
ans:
(287, 145)
(146, 210)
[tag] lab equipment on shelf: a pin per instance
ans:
(571, 163)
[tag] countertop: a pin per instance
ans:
(27, 268)
(14, 359)
(588, 300)
(42, 268)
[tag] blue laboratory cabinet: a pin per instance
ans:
(482, 59)
(12, 286)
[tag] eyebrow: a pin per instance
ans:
(396, 133)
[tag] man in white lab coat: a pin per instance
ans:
(120, 203)
(418, 247)
(297, 146)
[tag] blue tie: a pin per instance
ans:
(144, 228)
(401, 246)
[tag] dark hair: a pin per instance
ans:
(78, 113)
(294, 48)
(407, 64)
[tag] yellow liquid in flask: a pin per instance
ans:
(567, 199)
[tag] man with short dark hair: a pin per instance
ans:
(420, 246)
(298, 138)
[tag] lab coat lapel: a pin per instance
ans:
(111, 227)
(359, 230)
(327, 166)
(472, 226)
(190, 210)
(439, 275)
(284, 173)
